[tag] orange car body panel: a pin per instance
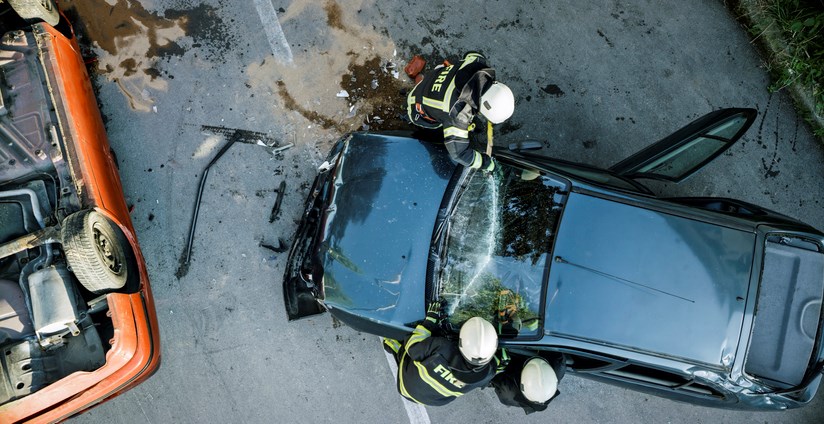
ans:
(135, 347)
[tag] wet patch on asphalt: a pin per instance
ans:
(131, 40)
(553, 90)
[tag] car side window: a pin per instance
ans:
(595, 175)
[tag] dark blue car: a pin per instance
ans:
(705, 300)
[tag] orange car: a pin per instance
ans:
(77, 319)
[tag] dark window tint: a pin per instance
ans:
(682, 160)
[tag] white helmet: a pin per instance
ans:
(478, 341)
(538, 380)
(497, 103)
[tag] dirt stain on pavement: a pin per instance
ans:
(310, 115)
(130, 41)
(374, 88)
(333, 15)
(553, 90)
(129, 38)
(311, 85)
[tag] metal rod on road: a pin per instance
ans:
(235, 137)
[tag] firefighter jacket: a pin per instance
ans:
(432, 371)
(507, 384)
(450, 96)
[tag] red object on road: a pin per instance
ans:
(415, 66)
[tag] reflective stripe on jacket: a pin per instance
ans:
(432, 371)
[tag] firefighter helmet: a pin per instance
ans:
(538, 380)
(497, 103)
(478, 341)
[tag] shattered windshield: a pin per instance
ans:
(498, 242)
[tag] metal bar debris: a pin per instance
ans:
(235, 137)
(281, 247)
(281, 190)
(242, 136)
(282, 148)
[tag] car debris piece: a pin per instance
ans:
(235, 137)
(276, 208)
(241, 136)
(280, 248)
(282, 148)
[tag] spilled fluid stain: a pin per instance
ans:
(112, 26)
(333, 60)
(509, 127)
(131, 41)
(333, 15)
(310, 115)
(553, 90)
(373, 87)
(375, 101)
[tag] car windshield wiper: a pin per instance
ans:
(453, 205)
(437, 249)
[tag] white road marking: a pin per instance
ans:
(274, 33)
(415, 411)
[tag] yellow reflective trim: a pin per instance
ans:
(477, 161)
(432, 382)
(410, 105)
(432, 103)
(469, 59)
(393, 344)
(455, 131)
(420, 333)
(400, 381)
(448, 96)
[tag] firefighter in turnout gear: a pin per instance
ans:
(450, 96)
(530, 382)
(434, 370)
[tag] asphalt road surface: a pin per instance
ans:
(595, 81)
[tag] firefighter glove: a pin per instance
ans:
(434, 312)
(492, 165)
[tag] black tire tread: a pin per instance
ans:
(32, 10)
(78, 244)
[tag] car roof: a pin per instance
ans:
(648, 281)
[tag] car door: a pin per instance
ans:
(689, 149)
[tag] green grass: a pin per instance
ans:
(800, 23)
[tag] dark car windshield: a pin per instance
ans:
(498, 241)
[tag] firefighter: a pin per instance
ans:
(450, 96)
(434, 370)
(530, 382)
